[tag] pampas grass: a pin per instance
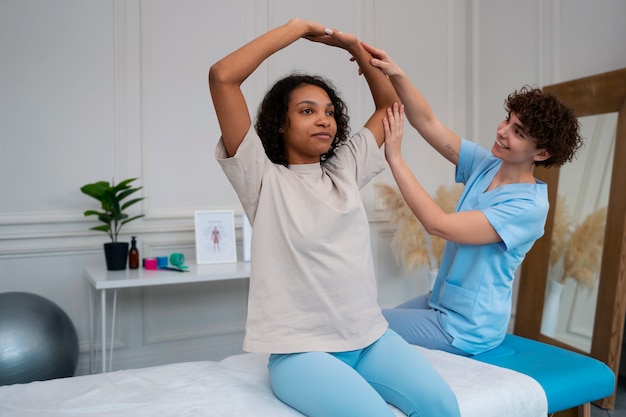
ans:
(583, 256)
(561, 231)
(576, 251)
(447, 198)
(411, 245)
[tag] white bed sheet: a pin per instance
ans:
(238, 386)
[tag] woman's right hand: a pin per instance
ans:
(332, 37)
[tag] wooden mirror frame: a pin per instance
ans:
(597, 94)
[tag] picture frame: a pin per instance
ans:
(215, 236)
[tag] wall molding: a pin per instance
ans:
(152, 336)
(197, 326)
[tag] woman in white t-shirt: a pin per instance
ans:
(313, 301)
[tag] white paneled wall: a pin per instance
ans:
(94, 90)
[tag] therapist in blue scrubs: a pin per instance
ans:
(501, 212)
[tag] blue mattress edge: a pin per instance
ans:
(568, 378)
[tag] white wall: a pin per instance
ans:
(94, 90)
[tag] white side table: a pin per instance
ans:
(102, 280)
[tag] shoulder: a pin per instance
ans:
(517, 204)
(359, 155)
(251, 144)
(473, 160)
(473, 153)
(361, 141)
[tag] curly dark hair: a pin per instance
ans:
(552, 124)
(272, 115)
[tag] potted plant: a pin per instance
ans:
(113, 202)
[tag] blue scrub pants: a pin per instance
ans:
(361, 382)
(419, 324)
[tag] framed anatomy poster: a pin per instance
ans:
(215, 237)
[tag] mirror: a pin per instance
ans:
(594, 95)
(578, 235)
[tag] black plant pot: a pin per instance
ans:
(116, 255)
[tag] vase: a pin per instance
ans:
(116, 255)
(550, 317)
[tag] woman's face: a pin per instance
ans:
(514, 145)
(310, 127)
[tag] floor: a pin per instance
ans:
(620, 402)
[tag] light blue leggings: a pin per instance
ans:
(360, 383)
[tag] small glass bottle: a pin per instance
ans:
(133, 255)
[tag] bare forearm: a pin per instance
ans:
(465, 227)
(419, 201)
(418, 111)
(383, 93)
(238, 65)
(420, 115)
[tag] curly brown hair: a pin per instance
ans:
(553, 125)
(272, 114)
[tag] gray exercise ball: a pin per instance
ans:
(38, 340)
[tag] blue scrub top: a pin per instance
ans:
(474, 284)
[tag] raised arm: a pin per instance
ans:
(418, 111)
(383, 92)
(466, 227)
(227, 75)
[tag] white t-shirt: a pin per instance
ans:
(312, 282)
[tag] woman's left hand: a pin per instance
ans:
(394, 127)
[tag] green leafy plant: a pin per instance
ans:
(112, 201)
